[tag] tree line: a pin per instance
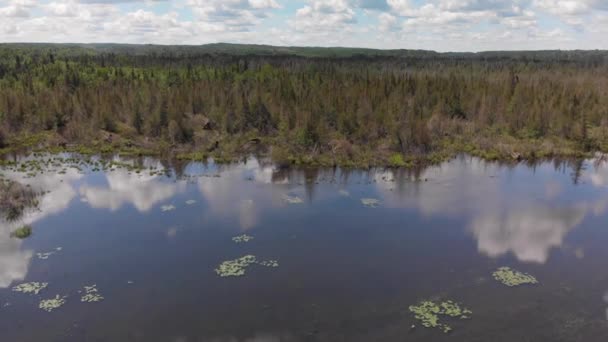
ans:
(408, 105)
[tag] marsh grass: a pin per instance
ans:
(22, 232)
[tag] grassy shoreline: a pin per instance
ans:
(343, 154)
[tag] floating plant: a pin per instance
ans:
(511, 277)
(167, 208)
(46, 255)
(22, 232)
(29, 288)
(237, 267)
(242, 238)
(292, 199)
(269, 263)
(370, 202)
(49, 305)
(429, 312)
(190, 202)
(344, 193)
(91, 294)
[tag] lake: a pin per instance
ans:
(339, 255)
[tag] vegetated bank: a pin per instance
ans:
(347, 107)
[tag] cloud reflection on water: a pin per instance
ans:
(502, 220)
(124, 187)
(59, 192)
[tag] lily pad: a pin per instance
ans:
(91, 294)
(242, 238)
(49, 305)
(236, 267)
(370, 202)
(511, 277)
(29, 288)
(293, 199)
(430, 312)
(167, 208)
(46, 255)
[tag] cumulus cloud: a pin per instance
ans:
(430, 24)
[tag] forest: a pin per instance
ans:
(316, 106)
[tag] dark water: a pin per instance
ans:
(347, 272)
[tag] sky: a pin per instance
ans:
(441, 25)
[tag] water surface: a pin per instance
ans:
(348, 272)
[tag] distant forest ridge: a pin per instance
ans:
(311, 52)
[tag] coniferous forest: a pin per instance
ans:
(352, 107)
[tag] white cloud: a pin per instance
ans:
(442, 25)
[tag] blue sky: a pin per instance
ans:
(442, 25)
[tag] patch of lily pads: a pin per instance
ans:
(242, 238)
(46, 255)
(511, 277)
(292, 199)
(431, 313)
(237, 267)
(91, 295)
(370, 202)
(165, 208)
(51, 304)
(30, 288)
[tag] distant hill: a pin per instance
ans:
(310, 52)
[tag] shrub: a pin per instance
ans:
(22, 232)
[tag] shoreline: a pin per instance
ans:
(234, 149)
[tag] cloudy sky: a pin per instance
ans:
(443, 25)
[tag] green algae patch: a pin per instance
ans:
(242, 238)
(511, 277)
(91, 294)
(429, 313)
(237, 267)
(30, 288)
(292, 199)
(370, 202)
(49, 305)
(22, 232)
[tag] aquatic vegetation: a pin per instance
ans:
(237, 267)
(49, 305)
(167, 208)
(29, 288)
(242, 238)
(15, 199)
(370, 202)
(190, 202)
(429, 313)
(46, 255)
(269, 263)
(22, 232)
(292, 199)
(91, 294)
(344, 193)
(511, 277)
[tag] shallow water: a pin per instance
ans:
(347, 271)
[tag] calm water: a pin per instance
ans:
(347, 272)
